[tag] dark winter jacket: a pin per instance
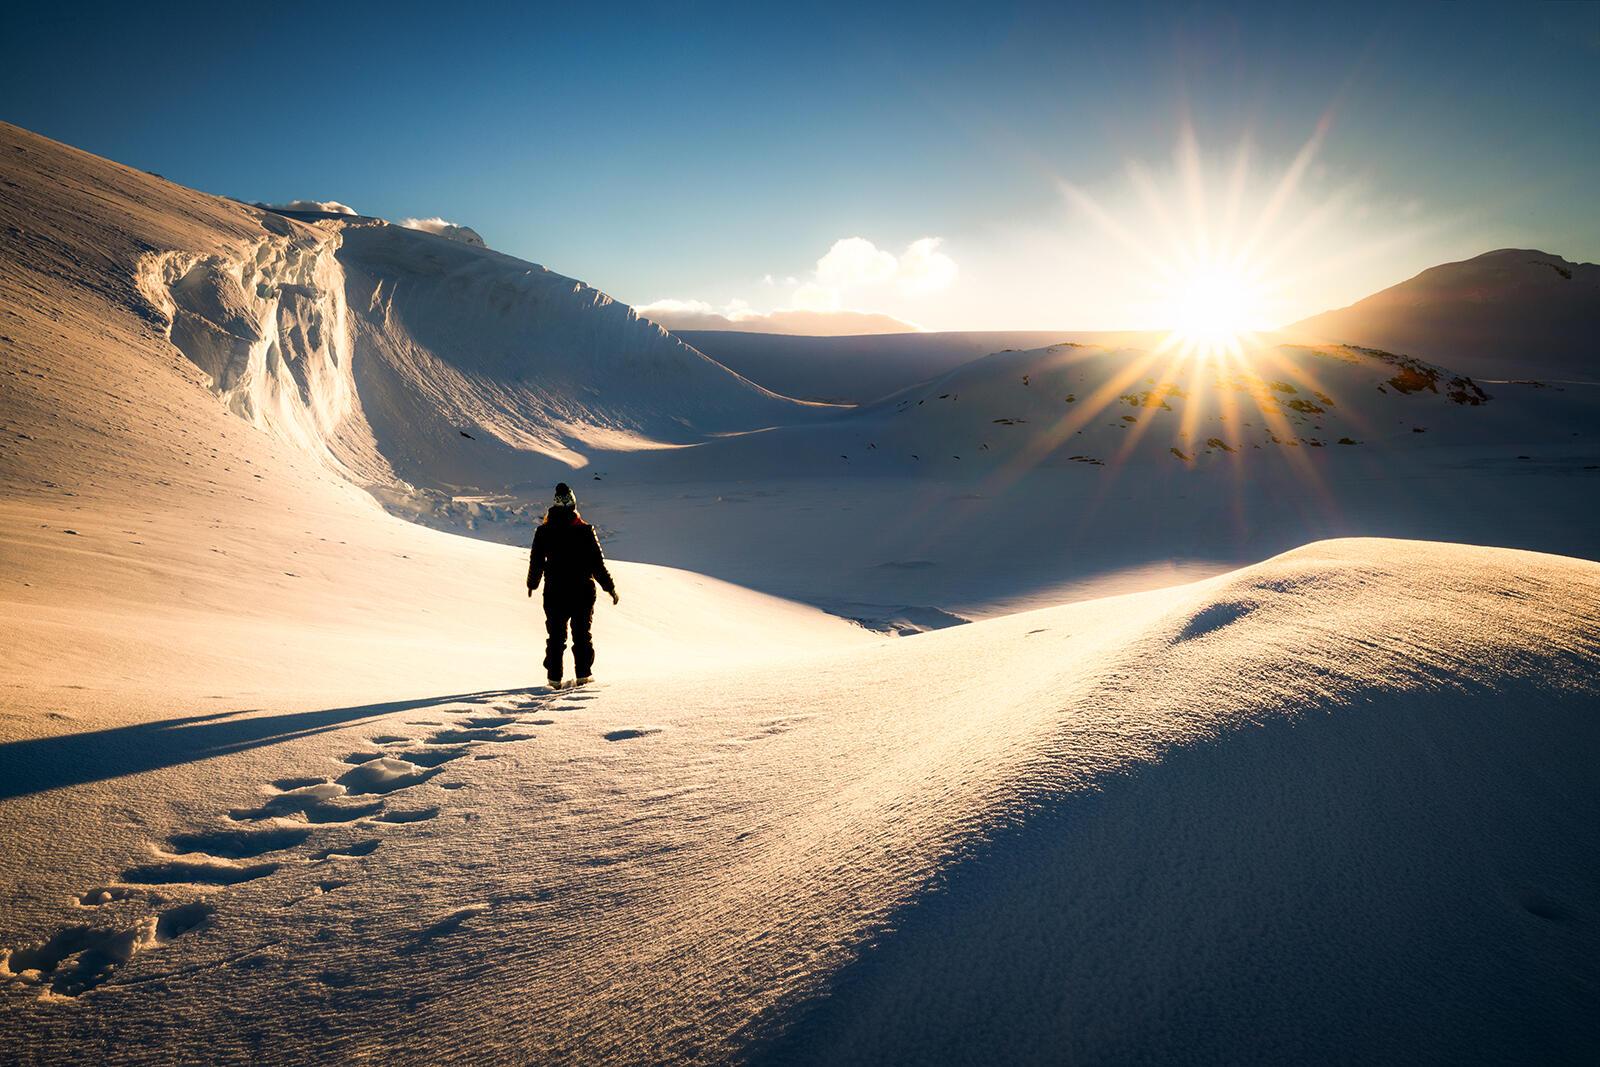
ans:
(566, 554)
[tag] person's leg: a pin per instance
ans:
(555, 628)
(582, 642)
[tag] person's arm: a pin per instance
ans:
(599, 571)
(535, 562)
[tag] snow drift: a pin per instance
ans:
(530, 365)
(1337, 805)
(410, 358)
(1332, 840)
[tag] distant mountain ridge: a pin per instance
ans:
(857, 369)
(1513, 313)
(1509, 314)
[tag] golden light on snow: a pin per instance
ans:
(1215, 252)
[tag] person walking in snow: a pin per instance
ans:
(566, 556)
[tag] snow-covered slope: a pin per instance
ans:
(1340, 804)
(1074, 404)
(1508, 314)
(400, 356)
(168, 511)
(994, 486)
(473, 366)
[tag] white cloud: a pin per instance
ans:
(698, 315)
(682, 310)
(449, 230)
(925, 269)
(855, 261)
(853, 271)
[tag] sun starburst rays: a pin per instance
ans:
(1215, 263)
(1215, 259)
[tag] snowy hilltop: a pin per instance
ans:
(1511, 313)
(448, 230)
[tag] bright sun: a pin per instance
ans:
(1213, 306)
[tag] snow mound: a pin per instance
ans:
(448, 230)
(478, 369)
(411, 360)
(1071, 402)
(1357, 817)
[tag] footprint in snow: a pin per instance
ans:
(433, 756)
(197, 872)
(386, 774)
(628, 735)
(489, 734)
(398, 818)
(237, 844)
(320, 804)
(446, 926)
(80, 957)
(341, 852)
(489, 721)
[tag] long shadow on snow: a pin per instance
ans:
(1406, 878)
(41, 764)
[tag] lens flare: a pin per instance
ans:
(1213, 307)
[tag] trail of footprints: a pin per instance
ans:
(257, 841)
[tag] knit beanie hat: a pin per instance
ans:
(565, 497)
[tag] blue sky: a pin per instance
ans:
(689, 151)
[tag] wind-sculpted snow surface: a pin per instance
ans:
(405, 359)
(1354, 821)
(473, 366)
(410, 359)
(268, 326)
